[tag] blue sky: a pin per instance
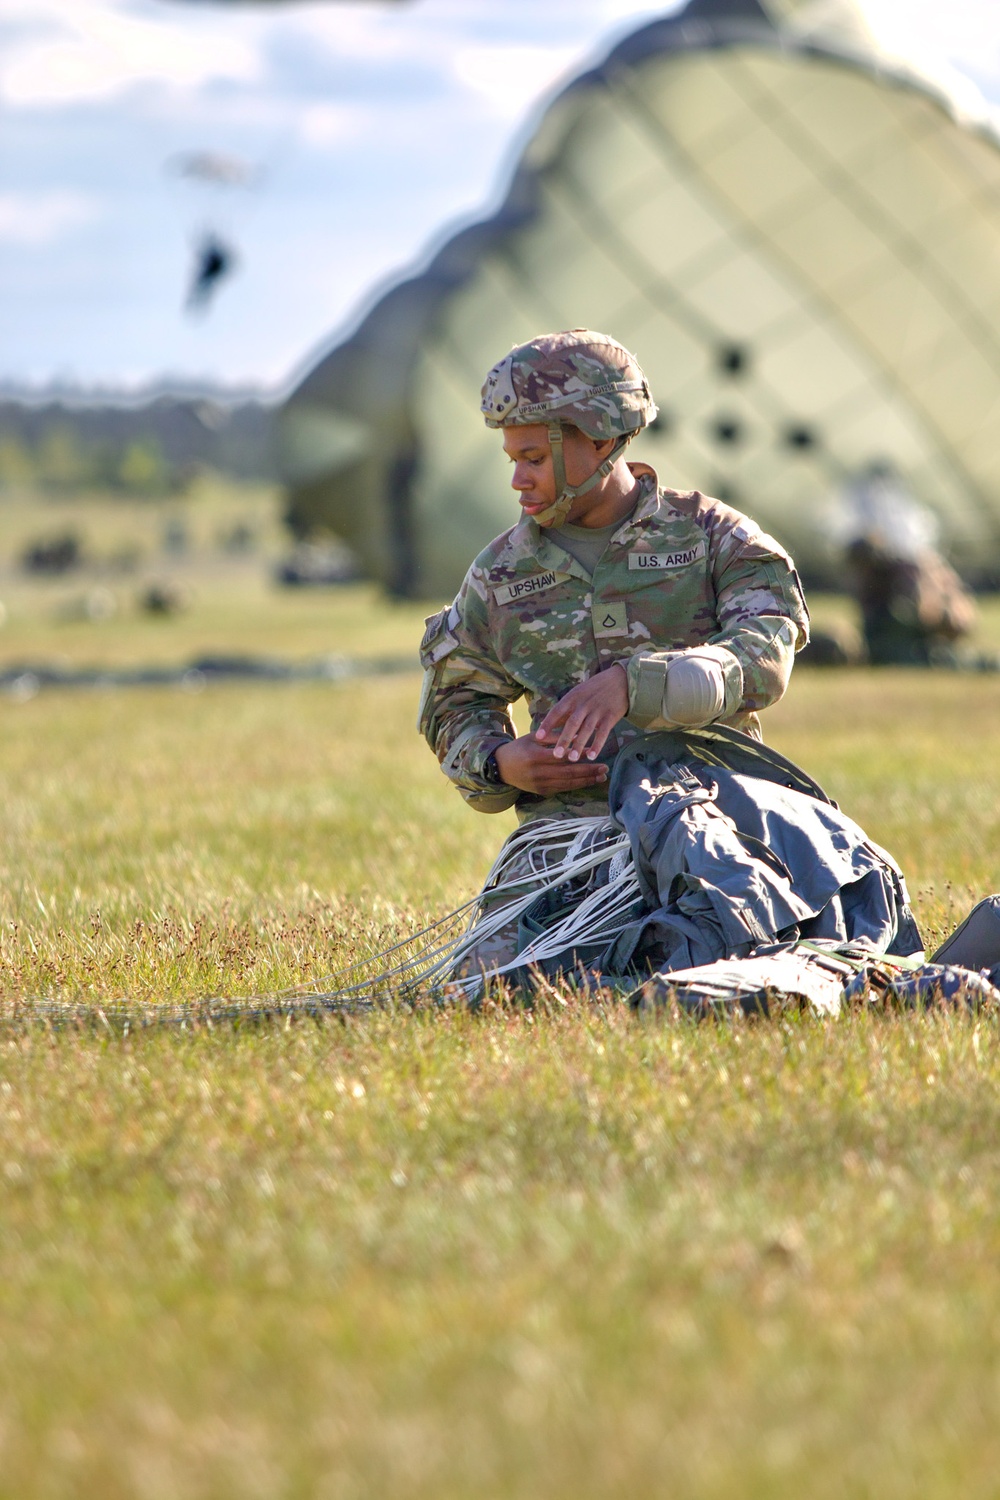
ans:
(373, 127)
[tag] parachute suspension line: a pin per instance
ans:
(592, 855)
(601, 916)
(450, 919)
(535, 861)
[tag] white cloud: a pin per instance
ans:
(86, 50)
(961, 23)
(327, 125)
(40, 218)
(361, 32)
(510, 78)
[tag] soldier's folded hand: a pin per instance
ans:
(579, 724)
(532, 767)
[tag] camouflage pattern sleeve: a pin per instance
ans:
(761, 614)
(464, 705)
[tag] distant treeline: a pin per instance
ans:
(154, 447)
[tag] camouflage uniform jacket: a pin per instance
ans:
(684, 570)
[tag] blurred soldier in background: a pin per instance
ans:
(612, 607)
(913, 604)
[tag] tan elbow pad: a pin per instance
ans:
(695, 691)
(685, 688)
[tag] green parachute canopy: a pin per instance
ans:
(796, 232)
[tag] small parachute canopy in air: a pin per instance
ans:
(216, 167)
(796, 230)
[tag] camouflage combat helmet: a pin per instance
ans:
(579, 378)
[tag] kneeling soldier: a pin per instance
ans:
(613, 606)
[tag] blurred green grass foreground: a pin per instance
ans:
(557, 1253)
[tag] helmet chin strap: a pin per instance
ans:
(556, 513)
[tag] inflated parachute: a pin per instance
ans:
(797, 233)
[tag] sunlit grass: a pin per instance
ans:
(559, 1253)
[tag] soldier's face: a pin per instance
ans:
(529, 451)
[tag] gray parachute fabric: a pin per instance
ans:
(767, 893)
(729, 859)
(821, 977)
(736, 855)
(800, 975)
(975, 943)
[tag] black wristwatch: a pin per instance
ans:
(491, 771)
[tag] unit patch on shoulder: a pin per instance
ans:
(639, 561)
(510, 593)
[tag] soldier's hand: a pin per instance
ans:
(578, 725)
(532, 767)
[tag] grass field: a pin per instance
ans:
(550, 1254)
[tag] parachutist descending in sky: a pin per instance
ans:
(213, 184)
(214, 260)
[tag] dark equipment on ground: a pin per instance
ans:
(317, 565)
(54, 556)
(163, 598)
